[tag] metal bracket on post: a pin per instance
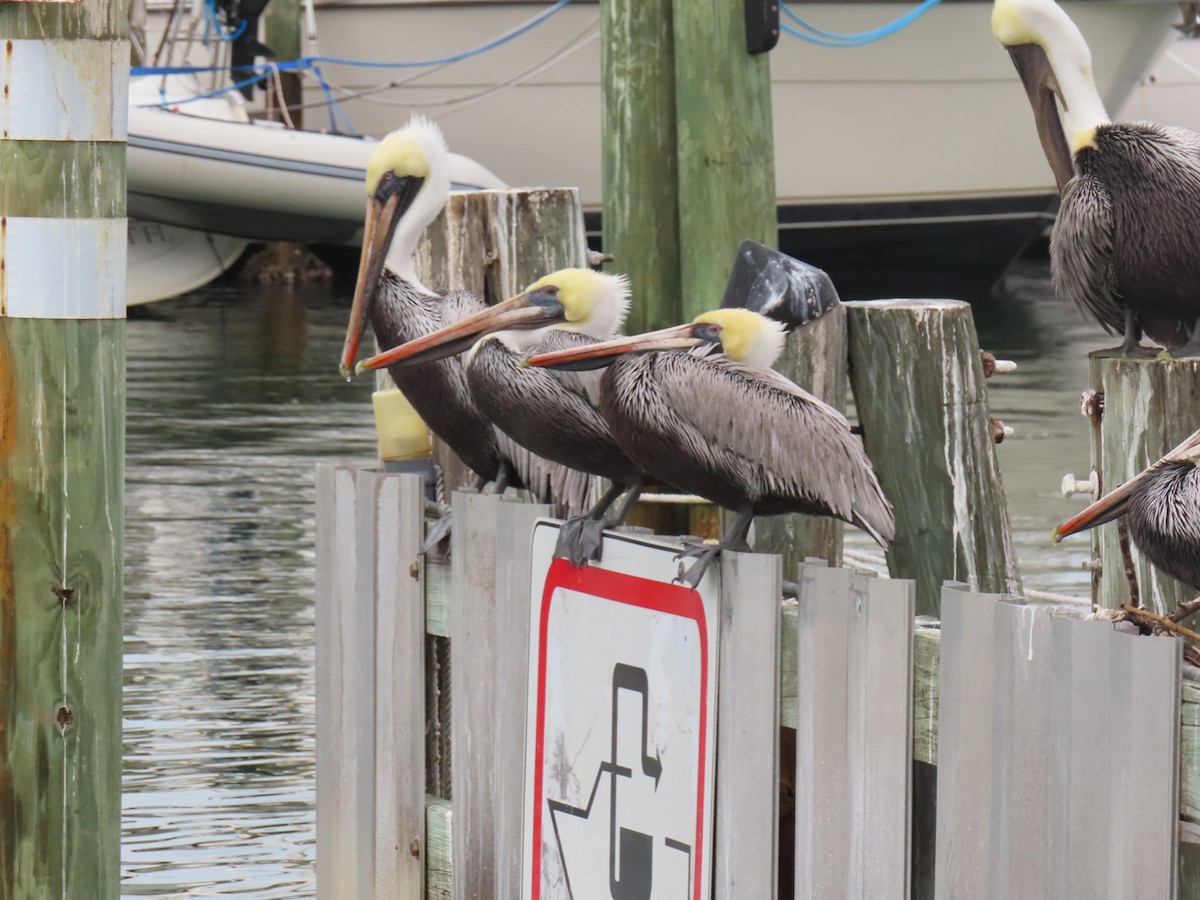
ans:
(762, 25)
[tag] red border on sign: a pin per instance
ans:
(618, 587)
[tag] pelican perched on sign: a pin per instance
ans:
(1162, 507)
(1124, 246)
(553, 414)
(699, 407)
(408, 182)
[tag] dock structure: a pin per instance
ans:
(62, 407)
(1135, 407)
(1035, 723)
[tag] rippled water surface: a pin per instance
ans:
(233, 397)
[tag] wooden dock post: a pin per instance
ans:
(1149, 406)
(688, 151)
(281, 32)
(919, 389)
(63, 237)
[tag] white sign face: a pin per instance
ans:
(620, 732)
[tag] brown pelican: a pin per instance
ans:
(1124, 243)
(553, 414)
(408, 182)
(1162, 506)
(698, 407)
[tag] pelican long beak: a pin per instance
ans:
(1115, 503)
(1107, 508)
(526, 310)
(596, 356)
(383, 215)
(1041, 86)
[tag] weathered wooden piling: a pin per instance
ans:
(62, 416)
(1148, 407)
(688, 151)
(281, 32)
(919, 390)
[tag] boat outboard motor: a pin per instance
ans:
(246, 46)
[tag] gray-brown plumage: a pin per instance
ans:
(1162, 508)
(550, 414)
(1124, 246)
(1128, 231)
(732, 430)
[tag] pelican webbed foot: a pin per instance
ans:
(735, 540)
(581, 538)
(1131, 346)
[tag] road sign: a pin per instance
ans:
(620, 726)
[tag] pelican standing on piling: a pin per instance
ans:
(1162, 508)
(553, 414)
(699, 407)
(1124, 245)
(408, 183)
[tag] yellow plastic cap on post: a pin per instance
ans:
(402, 433)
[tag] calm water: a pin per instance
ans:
(233, 397)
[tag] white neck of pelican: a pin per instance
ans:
(401, 255)
(1043, 22)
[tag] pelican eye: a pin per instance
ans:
(708, 332)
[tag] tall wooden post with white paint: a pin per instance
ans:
(62, 408)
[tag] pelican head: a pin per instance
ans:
(1116, 502)
(1054, 63)
(408, 180)
(593, 303)
(740, 334)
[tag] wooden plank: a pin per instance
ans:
(789, 619)
(747, 775)
(99, 20)
(473, 622)
(514, 535)
(438, 867)
(1189, 755)
(397, 505)
(940, 470)
(725, 146)
(854, 736)
(966, 746)
(1117, 708)
(62, 408)
(814, 357)
(1140, 423)
(345, 655)
(926, 651)
(639, 166)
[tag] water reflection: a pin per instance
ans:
(233, 397)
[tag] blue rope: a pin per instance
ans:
(225, 90)
(309, 62)
(822, 38)
(211, 7)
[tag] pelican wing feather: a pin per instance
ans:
(1081, 252)
(795, 444)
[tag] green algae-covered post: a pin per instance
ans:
(918, 384)
(62, 409)
(688, 151)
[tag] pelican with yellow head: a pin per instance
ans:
(1123, 246)
(697, 406)
(550, 413)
